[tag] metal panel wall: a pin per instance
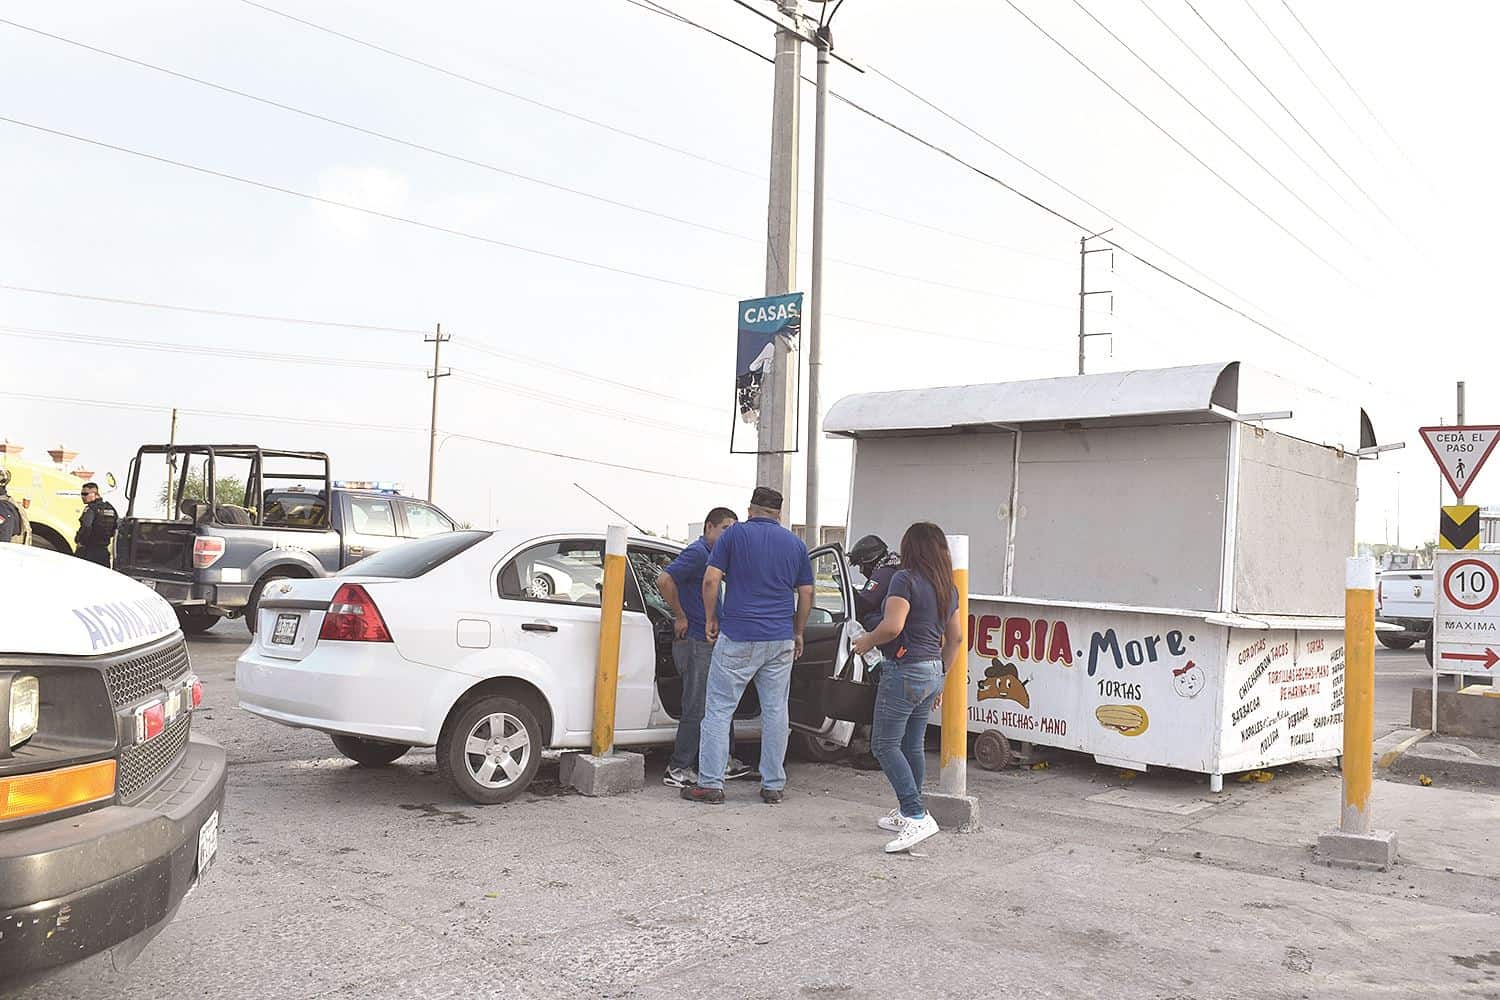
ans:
(1295, 525)
(1132, 515)
(961, 481)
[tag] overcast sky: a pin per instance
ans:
(936, 275)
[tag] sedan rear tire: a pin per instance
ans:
(369, 753)
(490, 751)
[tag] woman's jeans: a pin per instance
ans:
(903, 704)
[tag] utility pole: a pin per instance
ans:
(436, 340)
(1084, 293)
(815, 317)
(1460, 404)
(172, 468)
(773, 466)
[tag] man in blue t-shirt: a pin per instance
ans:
(757, 636)
(681, 586)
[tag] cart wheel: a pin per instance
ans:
(993, 751)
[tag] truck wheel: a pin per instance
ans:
(490, 751)
(1427, 648)
(992, 751)
(1395, 641)
(195, 622)
(369, 753)
(252, 608)
(541, 586)
(816, 749)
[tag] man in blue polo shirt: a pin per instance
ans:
(768, 596)
(681, 586)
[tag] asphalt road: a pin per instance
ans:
(1396, 673)
(338, 881)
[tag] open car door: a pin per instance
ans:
(825, 648)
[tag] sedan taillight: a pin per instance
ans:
(353, 617)
(207, 550)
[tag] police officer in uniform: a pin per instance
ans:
(96, 526)
(12, 523)
(879, 565)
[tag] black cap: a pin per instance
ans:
(765, 498)
(869, 550)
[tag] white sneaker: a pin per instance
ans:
(680, 777)
(913, 832)
(735, 769)
(892, 821)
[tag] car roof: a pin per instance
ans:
(513, 538)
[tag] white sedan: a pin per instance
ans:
(447, 641)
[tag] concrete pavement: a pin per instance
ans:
(339, 881)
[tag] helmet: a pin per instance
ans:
(869, 551)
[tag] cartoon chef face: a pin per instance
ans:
(1188, 680)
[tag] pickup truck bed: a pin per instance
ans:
(1404, 598)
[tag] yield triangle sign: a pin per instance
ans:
(1460, 452)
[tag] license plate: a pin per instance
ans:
(286, 629)
(208, 842)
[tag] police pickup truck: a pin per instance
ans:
(211, 527)
(109, 802)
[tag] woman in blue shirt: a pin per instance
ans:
(922, 638)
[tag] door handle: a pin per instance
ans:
(356, 550)
(537, 627)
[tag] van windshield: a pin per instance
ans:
(413, 559)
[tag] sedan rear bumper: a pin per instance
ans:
(357, 689)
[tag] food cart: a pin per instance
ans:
(1156, 574)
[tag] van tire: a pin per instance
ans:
(252, 607)
(369, 753)
(1395, 641)
(453, 758)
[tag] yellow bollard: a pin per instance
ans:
(1359, 695)
(954, 756)
(1354, 842)
(611, 610)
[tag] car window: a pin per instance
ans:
(649, 564)
(412, 559)
(422, 520)
(569, 572)
(369, 516)
(828, 588)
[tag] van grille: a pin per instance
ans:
(143, 764)
(131, 680)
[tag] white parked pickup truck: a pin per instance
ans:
(1404, 598)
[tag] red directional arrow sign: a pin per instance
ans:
(1489, 657)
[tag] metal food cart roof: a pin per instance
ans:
(1189, 394)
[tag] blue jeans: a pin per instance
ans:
(734, 666)
(692, 657)
(903, 704)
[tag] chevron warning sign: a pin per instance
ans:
(1458, 527)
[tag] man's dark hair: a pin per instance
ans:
(89, 486)
(718, 516)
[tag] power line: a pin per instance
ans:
(300, 419)
(1308, 77)
(69, 337)
(1216, 126)
(363, 327)
(294, 320)
(589, 461)
(966, 164)
(1178, 142)
(1235, 93)
(1266, 87)
(577, 406)
(388, 216)
(469, 161)
(617, 130)
(1352, 89)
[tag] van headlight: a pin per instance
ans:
(22, 696)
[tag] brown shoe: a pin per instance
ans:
(697, 793)
(772, 796)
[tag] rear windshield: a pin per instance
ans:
(412, 559)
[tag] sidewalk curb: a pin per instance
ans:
(1391, 747)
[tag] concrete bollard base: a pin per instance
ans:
(1376, 849)
(954, 813)
(613, 774)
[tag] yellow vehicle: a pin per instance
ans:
(48, 498)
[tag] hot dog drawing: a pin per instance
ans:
(1127, 720)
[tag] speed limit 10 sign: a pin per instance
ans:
(1466, 621)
